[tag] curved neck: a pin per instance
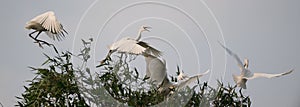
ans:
(139, 35)
(246, 63)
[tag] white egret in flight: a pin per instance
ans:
(132, 46)
(246, 74)
(47, 23)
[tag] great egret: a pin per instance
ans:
(47, 23)
(155, 69)
(181, 75)
(132, 46)
(246, 74)
(157, 72)
(166, 87)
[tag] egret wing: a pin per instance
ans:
(52, 25)
(128, 46)
(148, 60)
(190, 80)
(157, 70)
(148, 74)
(181, 76)
(149, 49)
(41, 18)
(266, 75)
(240, 63)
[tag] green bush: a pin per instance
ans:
(114, 83)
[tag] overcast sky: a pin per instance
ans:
(266, 32)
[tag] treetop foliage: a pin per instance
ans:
(115, 83)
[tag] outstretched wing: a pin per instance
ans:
(265, 75)
(149, 49)
(182, 76)
(236, 57)
(190, 80)
(41, 18)
(127, 45)
(157, 70)
(51, 24)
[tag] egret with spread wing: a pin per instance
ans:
(181, 75)
(168, 87)
(47, 23)
(132, 46)
(156, 71)
(246, 74)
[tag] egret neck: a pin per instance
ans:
(139, 35)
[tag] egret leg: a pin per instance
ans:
(107, 57)
(126, 56)
(109, 54)
(34, 38)
(38, 34)
(235, 86)
(32, 33)
(241, 92)
(40, 42)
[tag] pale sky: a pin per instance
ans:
(266, 32)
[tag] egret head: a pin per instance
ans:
(145, 28)
(246, 63)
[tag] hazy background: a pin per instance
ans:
(266, 32)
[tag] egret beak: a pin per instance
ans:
(147, 28)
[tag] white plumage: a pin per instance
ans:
(166, 87)
(48, 23)
(182, 76)
(127, 45)
(189, 80)
(246, 74)
(156, 71)
(132, 46)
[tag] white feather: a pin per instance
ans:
(265, 75)
(246, 74)
(47, 22)
(190, 80)
(133, 46)
(155, 69)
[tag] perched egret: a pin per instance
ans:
(246, 74)
(181, 75)
(132, 46)
(47, 23)
(155, 69)
(166, 87)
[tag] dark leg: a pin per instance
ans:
(41, 42)
(109, 54)
(34, 38)
(107, 57)
(241, 92)
(38, 34)
(32, 33)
